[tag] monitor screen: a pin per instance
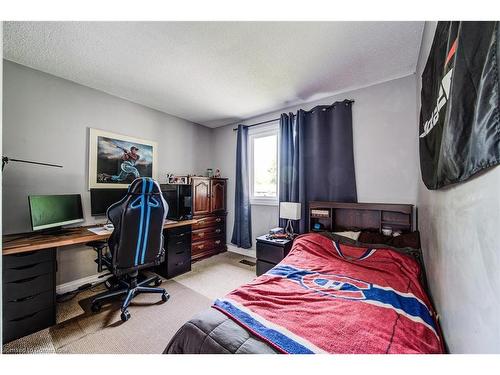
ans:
(49, 211)
(101, 199)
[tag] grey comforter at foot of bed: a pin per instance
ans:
(212, 332)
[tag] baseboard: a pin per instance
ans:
(75, 284)
(238, 250)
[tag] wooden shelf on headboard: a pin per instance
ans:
(365, 216)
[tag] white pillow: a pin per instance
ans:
(352, 235)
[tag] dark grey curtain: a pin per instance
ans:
(289, 168)
(242, 229)
(317, 158)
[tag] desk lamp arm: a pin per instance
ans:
(5, 161)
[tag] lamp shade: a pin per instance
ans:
(290, 210)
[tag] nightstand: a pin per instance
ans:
(270, 253)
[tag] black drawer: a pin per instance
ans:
(182, 251)
(263, 267)
(15, 290)
(178, 231)
(178, 253)
(24, 259)
(178, 257)
(27, 271)
(25, 325)
(178, 242)
(175, 264)
(178, 266)
(28, 305)
(271, 253)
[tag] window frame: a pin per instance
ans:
(259, 132)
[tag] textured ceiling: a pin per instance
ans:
(215, 73)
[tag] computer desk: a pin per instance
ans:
(29, 275)
(26, 242)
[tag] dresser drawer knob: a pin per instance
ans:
(218, 230)
(217, 242)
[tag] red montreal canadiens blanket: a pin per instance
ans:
(327, 297)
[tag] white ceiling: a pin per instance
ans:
(216, 73)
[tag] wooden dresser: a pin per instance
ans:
(209, 209)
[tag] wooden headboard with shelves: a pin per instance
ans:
(336, 216)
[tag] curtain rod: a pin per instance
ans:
(277, 119)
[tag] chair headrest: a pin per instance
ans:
(144, 185)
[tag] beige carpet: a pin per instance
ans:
(153, 323)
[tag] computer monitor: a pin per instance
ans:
(52, 211)
(101, 199)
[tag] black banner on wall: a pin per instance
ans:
(460, 113)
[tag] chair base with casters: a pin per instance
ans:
(129, 287)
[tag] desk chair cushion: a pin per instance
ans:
(137, 238)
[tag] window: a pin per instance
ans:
(263, 164)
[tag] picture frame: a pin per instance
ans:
(115, 160)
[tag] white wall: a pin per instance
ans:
(47, 119)
(385, 153)
(459, 228)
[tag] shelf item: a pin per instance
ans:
(320, 213)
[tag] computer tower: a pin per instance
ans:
(178, 197)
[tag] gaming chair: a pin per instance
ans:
(136, 243)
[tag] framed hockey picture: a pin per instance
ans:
(115, 160)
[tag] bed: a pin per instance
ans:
(331, 294)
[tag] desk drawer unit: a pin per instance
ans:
(28, 293)
(178, 252)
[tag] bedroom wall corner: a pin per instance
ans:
(385, 154)
(459, 232)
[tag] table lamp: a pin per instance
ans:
(290, 211)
